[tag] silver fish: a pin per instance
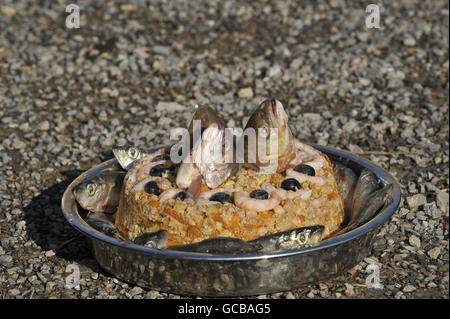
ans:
(372, 205)
(291, 239)
(106, 228)
(346, 181)
(100, 193)
(157, 239)
(128, 155)
(367, 184)
(220, 245)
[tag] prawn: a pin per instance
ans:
(300, 177)
(284, 194)
(243, 200)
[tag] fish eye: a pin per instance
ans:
(91, 187)
(133, 152)
(302, 238)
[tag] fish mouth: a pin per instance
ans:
(273, 103)
(278, 113)
(316, 233)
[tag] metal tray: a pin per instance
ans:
(235, 275)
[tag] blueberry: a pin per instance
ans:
(163, 157)
(221, 197)
(305, 169)
(259, 194)
(182, 195)
(158, 170)
(152, 188)
(290, 184)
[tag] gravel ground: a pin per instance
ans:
(66, 95)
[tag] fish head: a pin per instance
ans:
(96, 193)
(309, 236)
(269, 118)
(127, 155)
(206, 115)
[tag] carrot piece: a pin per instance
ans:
(204, 188)
(194, 231)
(218, 219)
(154, 203)
(173, 214)
(254, 226)
(172, 243)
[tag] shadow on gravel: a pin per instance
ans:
(48, 228)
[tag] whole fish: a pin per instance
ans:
(367, 184)
(220, 245)
(100, 193)
(291, 239)
(106, 228)
(269, 115)
(127, 155)
(157, 239)
(346, 181)
(372, 205)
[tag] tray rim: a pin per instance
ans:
(68, 207)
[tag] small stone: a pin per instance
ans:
(159, 49)
(49, 253)
(136, 291)
(274, 71)
(323, 286)
(414, 241)
(127, 8)
(364, 82)
(349, 290)
(416, 200)
(409, 41)
(409, 288)
(245, 93)
(6, 260)
(18, 144)
(170, 107)
(14, 292)
(44, 126)
(442, 199)
(434, 252)
(7, 11)
(290, 295)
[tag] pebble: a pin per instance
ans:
(49, 253)
(169, 107)
(6, 260)
(18, 144)
(136, 291)
(443, 202)
(7, 11)
(434, 252)
(44, 126)
(245, 93)
(416, 200)
(414, 241)
(349, 290)
(409, 288)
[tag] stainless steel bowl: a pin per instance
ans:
(235, 275)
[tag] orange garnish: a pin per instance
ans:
(194, 231)
(154, 203)
(173, 214)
